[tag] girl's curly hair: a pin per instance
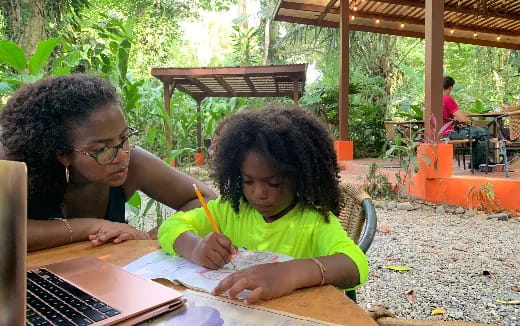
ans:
(297, 144)
(39, 120)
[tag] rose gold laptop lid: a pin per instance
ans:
(136, 298)
(13, 212)
(130, 294)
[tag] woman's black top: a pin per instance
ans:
(115, 210)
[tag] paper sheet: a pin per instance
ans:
(158, 264)
(203, 309)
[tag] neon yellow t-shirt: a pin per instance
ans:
(301, 233)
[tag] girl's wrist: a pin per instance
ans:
(307, 272)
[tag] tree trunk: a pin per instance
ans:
(35, 28)
(242, 12)
(267, 41)
(12, 11)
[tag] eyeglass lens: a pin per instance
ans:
(109, 153)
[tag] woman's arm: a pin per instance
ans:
(163, 183)
(42, 234)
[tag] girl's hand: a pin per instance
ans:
(116, 232)
(213, 251)
(266, 281)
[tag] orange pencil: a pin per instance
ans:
(203, 203)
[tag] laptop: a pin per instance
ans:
(81, 291)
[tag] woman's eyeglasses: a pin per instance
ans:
(108, 154)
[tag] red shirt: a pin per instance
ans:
(449, 107)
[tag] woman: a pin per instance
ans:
(72, 134)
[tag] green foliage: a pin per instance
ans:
(13, 55)
(16, 69)
(377, 184)
(246, 51)
(405, 150)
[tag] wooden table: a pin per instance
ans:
(324, 303)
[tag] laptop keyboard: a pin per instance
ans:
(53, 301)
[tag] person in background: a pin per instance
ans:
(462, 128)
(277, 173)
(82, 163)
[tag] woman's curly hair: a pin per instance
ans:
(296, 143)
(39, 120)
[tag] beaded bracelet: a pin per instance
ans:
(323, 271)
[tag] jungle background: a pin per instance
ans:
(122, 40)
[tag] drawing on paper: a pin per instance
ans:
(158, 264)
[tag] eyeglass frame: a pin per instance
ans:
(133, 132)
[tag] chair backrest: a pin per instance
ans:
(357, 215)
(514, 122)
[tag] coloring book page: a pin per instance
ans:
(159, 264)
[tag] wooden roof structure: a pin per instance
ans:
(261, 81)
(258, 81)
(481, 22)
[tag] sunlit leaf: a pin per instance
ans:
(510, 302)
(13, 55)
(398, 268)
(135, 200)
(42, 55)
(439, 311)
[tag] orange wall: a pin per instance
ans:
(454, 190)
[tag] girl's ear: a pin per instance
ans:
(63, 158)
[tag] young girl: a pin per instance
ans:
(83, 167)
(278, 178)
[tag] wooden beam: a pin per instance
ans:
(398, 32)
(250, 84)
(461, 10)
(476, 41)
(393, 18)
(185, 90)
(226, 86)
(228, 71)
(200, 85)
(434, 36)
(343, 106)
(326, 10)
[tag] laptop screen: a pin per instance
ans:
(13, 244)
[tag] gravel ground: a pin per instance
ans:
(460, 264)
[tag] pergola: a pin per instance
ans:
(261, 81)
(482, 22)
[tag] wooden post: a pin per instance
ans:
(434, 36)
(344, 71)
(296, 96)
(199, 126)
(169, 87)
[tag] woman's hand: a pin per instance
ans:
(213, 251)
(117, 233)
(266, 281)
